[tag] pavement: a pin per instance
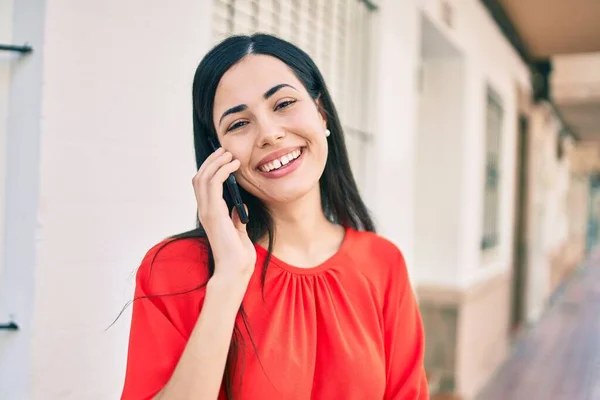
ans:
(559, 357)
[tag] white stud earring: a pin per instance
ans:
(327, 132)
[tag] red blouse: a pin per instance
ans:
(348, 328)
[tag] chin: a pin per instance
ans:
(289, 192)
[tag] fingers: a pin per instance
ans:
(208, 169)
(239, 225)
(213, 163)
(214, 185)
(223, 172)
(213, 156)
(208, 183)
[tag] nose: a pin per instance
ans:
(269, 133)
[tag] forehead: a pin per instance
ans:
(250, 78)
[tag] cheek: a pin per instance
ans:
(324, 152)
(304, 120)
(242, 151)
(243, 155)
(239, 146)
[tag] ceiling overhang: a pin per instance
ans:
(556, 27)
(540, 30)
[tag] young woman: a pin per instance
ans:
(302, 302)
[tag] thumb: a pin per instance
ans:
(237, 222)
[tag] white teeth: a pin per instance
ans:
(281, 161)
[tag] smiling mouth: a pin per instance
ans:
(281, 162)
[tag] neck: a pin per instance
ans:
(301, 224)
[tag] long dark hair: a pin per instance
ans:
(340, 198)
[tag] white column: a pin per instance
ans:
(389, 188)
(439, 161)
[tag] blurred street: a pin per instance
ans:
(559, 358)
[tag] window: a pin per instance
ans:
(494, 116)
(336, 34)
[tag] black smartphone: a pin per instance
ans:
(232, 195)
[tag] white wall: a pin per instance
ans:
(6, 58)
(388, 191)
(439, 162)
(489, 60)
(22, 165)
(549, 215)
(576, 76)
(577, 203)
(114, 178)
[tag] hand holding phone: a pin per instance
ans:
(233, 251)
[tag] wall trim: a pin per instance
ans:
(444, 295)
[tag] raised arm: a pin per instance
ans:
(163, 363)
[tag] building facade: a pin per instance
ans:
(470, 176)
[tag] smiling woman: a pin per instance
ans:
(305, 301)
(274, 133)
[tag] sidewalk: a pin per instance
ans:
(559, 359)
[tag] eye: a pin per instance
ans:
(284, 104)
(237, 125)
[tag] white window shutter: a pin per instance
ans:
(222, 19)
(245, 16)
(312, 24)
(268, 16)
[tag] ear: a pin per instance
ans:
(321, 111)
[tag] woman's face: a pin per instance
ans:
(265, 117)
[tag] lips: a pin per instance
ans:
(279, 158)
(280, 162)
(278, 167)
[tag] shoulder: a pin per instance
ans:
(377, 255)
(383, 263)
(174, 265)
(375, 247)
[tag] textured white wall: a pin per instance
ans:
(113, 172)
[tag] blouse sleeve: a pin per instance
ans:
(162, 319)
(404, 338)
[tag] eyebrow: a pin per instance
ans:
(274, 90)
(266, 96)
